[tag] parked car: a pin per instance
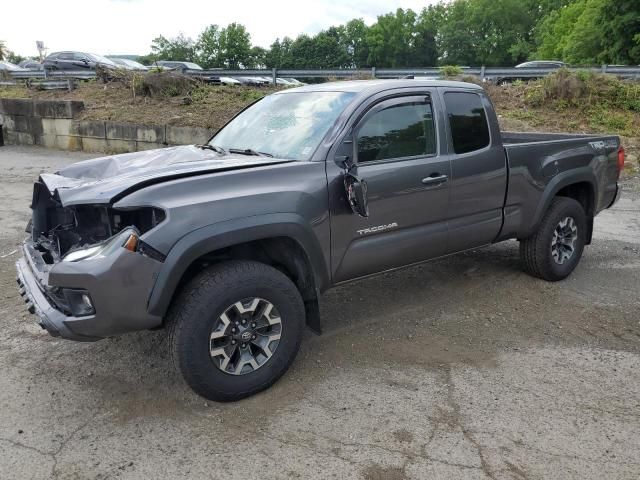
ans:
(253, 81)
(294, 81)
(76, 61)
(11, 67)
(283, 82)
(229, 81)
(177, 66)
(31, 65)
(542, 64)
(502, 80)
(229, 244)
(128, 64)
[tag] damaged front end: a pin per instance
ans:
(57, 232)
(86, 271)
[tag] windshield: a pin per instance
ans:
(100, 59)
(133, 63)
(192, 66)
(8, 66)
(288, 126)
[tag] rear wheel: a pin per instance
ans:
(555, 249)
(235, 329)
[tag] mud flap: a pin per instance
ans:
(312, 310)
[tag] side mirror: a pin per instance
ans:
(356, 189)
(354, 186)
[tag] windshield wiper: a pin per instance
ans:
(249, 151)
(215, 148)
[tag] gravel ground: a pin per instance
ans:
(460, 368)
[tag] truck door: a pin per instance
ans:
(478, 170)
(396, 151)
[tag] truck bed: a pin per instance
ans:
(515, 138)
(537, 160)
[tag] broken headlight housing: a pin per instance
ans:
(101, 250)
(79, 302)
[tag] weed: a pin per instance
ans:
(448, 71)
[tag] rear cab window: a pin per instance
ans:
(467, 121)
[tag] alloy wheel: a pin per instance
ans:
(245, 336)
(564, 239)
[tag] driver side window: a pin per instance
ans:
(405, 130)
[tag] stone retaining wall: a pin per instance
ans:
(54, 124)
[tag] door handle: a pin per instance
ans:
(435, 179)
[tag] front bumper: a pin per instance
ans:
(119, 284)
(52, 320)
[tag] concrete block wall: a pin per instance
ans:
(54, 124)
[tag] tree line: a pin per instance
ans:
(460, 32)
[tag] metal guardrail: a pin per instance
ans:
(56, 74)
(492, 73)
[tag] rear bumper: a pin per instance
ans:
(617, 196)
(119, 285)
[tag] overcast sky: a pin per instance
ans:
(128, 26)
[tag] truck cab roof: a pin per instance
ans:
(375, 86)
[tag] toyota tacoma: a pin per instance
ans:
(229, 244)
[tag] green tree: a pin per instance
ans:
(394, 41)
(235, 46)
(621, 32)
(14, 57)
(257, 57)
(179, 48)
(355, 41)
(279, 54)
(208, 47)
(572, 33)
(485, 32)
(428, 25)
(3, 50)
(301, 54)
(329, 49)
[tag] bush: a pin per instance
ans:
(564, 89)
(167, 84)
(448, 71)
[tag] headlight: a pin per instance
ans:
(82, 254)
(122, 239)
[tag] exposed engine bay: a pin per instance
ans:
(57, 230)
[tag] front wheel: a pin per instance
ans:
(235, 329)
(555, 249)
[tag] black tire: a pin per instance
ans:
(198, 306)
(535, 251)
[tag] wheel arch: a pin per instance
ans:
(581, 185)
(281, 240)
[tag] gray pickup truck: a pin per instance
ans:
(230, 244)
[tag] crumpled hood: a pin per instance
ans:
(102, 180)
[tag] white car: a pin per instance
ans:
(128, 64)
(11, 67)
(294, 81)
(229, 81)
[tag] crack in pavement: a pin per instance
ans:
(27, 447)
(51, 455)
(456, 417)
(409, 456)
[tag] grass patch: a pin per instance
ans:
(200, 105)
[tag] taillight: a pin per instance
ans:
(620, 158)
